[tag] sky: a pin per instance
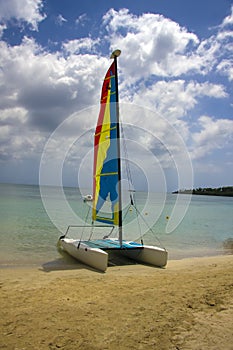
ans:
(175, 89)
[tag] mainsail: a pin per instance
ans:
(106, 152)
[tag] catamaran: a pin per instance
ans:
(107, 187)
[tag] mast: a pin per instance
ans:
(114, 55)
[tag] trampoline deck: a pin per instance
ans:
(109, 244)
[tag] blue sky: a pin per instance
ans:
(175, 71)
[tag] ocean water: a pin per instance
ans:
(29, 233)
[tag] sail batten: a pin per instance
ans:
(105, 131)
(107, 174)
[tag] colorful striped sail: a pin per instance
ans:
(106, 165)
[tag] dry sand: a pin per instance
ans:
(188, 305)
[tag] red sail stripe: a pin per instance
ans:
(104, 95)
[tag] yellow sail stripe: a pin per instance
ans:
(116, 214)
(104, 144)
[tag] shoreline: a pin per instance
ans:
(76, 266)
(187, 305)
(64, 260)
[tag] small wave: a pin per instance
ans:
(228, 245)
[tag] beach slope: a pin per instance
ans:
(188, 305)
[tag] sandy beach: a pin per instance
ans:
(188, 305)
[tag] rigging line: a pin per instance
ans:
(130, 180)
(137, 216)
(84, 226)
(92, 231)
(150, 229)
(139, 226)
(126, 213)
(132, 197)
(128, 172)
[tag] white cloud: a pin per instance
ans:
(81, 19)
(39, 89)
(226, 68)
(2, 28)
(173, 99)
(225, 34)
(228, 20)
(18, 141)
(13, 117)
(223, 47)
(77, 45)
(60, 20)
(163, 46)
(29, 11)
(37, 78)
(214, 134)
(154, 42)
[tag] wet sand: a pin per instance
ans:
(188, 305)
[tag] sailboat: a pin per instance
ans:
(107, 187)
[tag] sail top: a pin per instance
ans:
(115, 53)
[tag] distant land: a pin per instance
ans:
(208, 191)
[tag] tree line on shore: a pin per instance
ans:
(209, 191)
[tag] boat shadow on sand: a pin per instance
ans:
(66, 262)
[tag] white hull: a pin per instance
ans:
(151, 255)
(98, 258)
(93, 257)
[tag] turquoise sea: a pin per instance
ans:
(29, 237)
